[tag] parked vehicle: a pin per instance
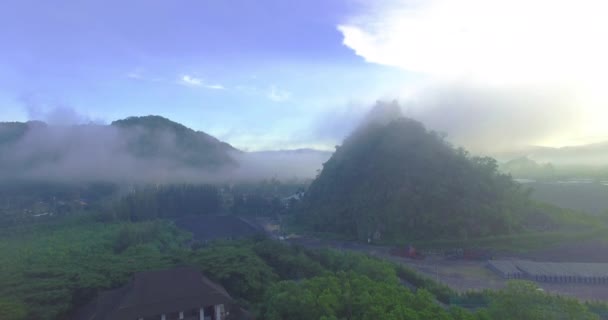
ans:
(408, 251)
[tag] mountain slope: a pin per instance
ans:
(158, 137)
(396, 180)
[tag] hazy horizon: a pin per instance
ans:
(274, 75)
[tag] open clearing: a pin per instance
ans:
(464, 275)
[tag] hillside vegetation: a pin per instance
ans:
(395, 180)
(49, 271)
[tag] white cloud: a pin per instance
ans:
(141, 76)
(135, 75)
(214, 86)
(502, 41)
(500, 61)
(192, 81)
(277, 95)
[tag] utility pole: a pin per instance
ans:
(436, 272)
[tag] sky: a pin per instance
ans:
(275, 74)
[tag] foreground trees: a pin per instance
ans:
(50, 270)
(348, 295)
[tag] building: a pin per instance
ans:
(178, 293)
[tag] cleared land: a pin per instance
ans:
(578, 272)
(463, 275)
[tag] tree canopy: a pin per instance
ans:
(49, 271)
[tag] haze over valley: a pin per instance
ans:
(323, 159)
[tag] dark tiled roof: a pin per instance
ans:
(212, 227)
(153, 293)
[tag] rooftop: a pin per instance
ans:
(153, 293)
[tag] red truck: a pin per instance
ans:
(408, 251)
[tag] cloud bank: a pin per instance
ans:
(490, 120)
(495, 73)
(192, 81)
(52, 114)
(487, 40)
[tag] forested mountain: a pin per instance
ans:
(395, 180)
(147, 137)
(150, 149)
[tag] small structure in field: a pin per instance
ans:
(506, 268)
(562, 272)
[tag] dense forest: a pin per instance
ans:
(51, 270)
(36, 201)
(23, 202)
(395, 180)
(170, 201)
(264, 198)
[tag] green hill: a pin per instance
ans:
(158, 137)
(395, 180)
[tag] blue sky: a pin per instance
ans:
(259, 74)
(272, 74)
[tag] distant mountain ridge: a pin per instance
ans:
(132, 148)
(301, 151)
(589, 154)
(149, 149)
